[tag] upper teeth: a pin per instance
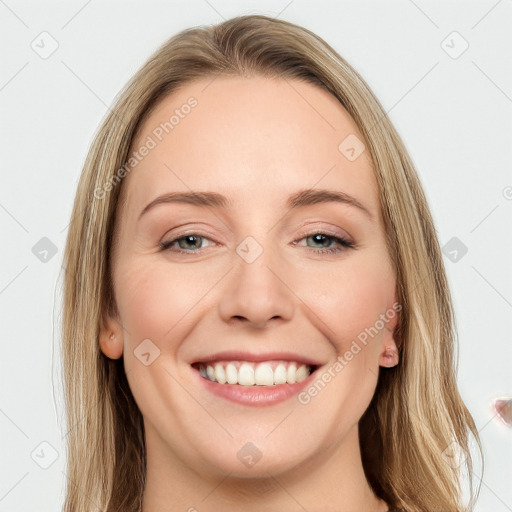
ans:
(249, 374)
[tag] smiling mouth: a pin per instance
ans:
(249, 373)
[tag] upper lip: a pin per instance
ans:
(232, 355)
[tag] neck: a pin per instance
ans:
(331, 481)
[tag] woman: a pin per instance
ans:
(256, 313)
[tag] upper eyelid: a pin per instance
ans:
(304, 230)
(303, 233)
(326, 231)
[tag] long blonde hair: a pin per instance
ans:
(416, 416)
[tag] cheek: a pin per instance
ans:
(350, 299)
(153, 299)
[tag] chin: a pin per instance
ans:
(256, 459)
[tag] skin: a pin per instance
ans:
(255, 140)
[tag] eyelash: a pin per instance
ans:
(343, 243)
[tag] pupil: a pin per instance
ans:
(190, 238)
(319, 238)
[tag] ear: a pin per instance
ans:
(389, 352)
(111, 337)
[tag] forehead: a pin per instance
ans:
(247, 138)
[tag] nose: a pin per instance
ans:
(257, 292)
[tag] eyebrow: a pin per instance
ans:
(299, 199)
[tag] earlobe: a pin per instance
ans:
(389, 355)
(111, 339)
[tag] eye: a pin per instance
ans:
(192, 243)
(189, 243)
(329, 244)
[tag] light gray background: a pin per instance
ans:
(454, 115)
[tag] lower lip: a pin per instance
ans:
(255, 396)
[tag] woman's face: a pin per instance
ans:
(251, 284)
